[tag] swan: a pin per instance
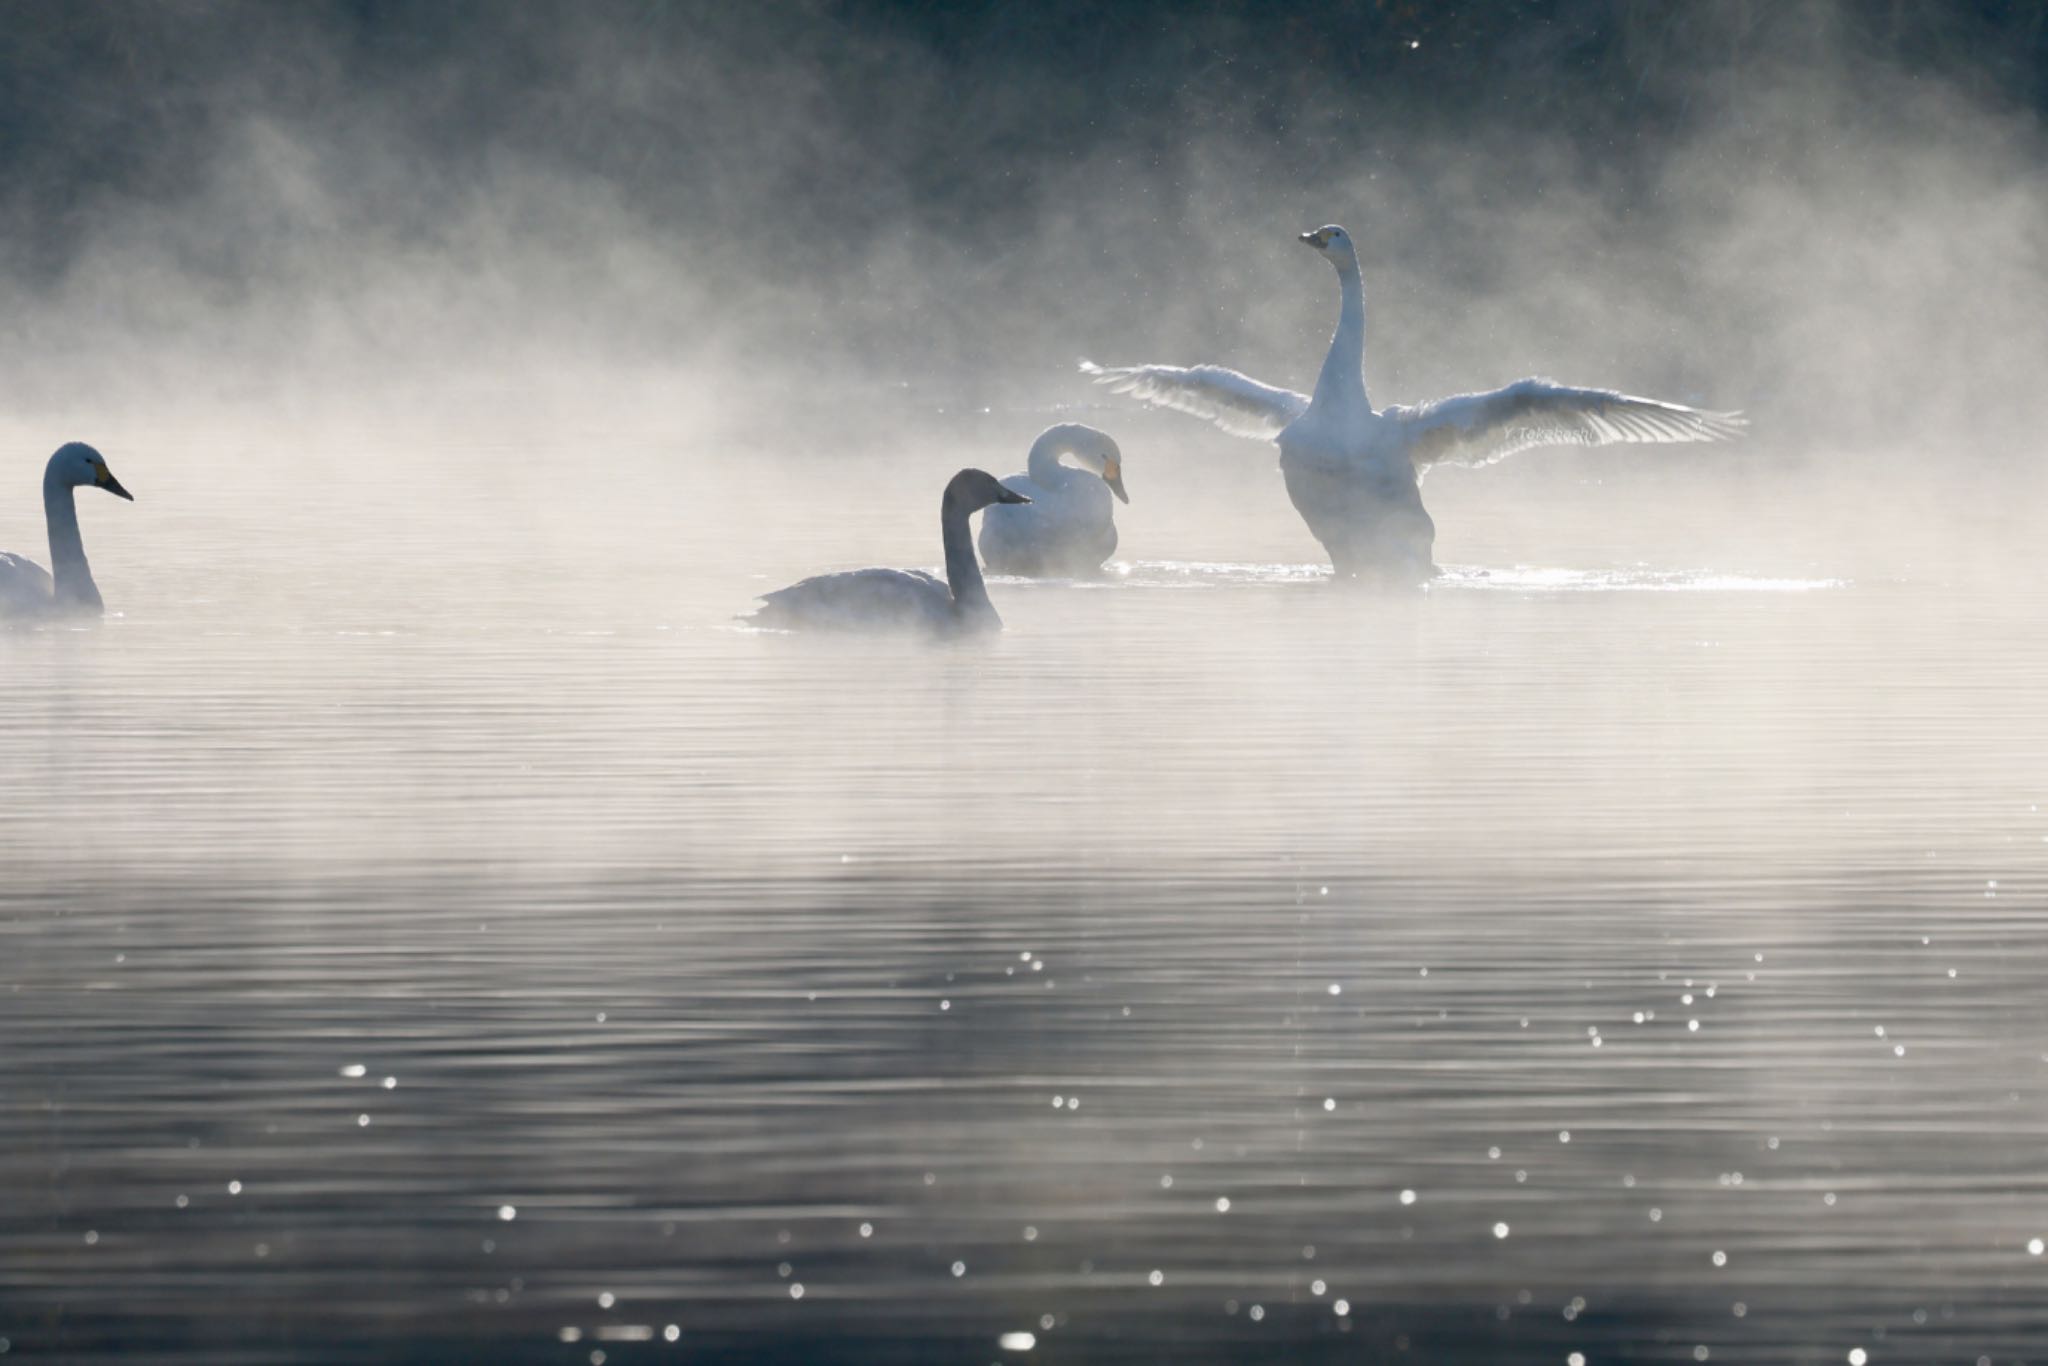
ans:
(1068, 527)
(24, 586)
(1355, 475)
(900, 599)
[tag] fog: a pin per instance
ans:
(779, 246)
(419, 870)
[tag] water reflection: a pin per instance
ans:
(1492, 975)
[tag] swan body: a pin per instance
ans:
(1354, 473)
(26, 588)
(1068, 527)
(903, 599)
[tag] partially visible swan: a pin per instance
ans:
(1354, 474)
(1069, 527)
(900, 599)
(24, 586)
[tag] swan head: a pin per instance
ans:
(1098, 451)
(973, 490)
(1090, 448)
(1334, 243)
(1113, 475)
(77, 465)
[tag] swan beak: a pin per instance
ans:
(1317, 239)
(1011, 496)
(104, 478)
(1113, 475)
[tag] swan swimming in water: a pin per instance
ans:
(903, 599)
(24, 586)
(1069, 527)
(1354, 474)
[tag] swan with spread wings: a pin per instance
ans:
(1355, 474)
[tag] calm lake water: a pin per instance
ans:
(432, 931)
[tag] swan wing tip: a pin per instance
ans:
(1729, 426)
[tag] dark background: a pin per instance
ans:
(1830, 213)
(868, 113)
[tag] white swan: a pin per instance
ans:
(24, 586)
(1069, 526)
(1355, 474)
(899, 599)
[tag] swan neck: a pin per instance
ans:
(1043, 464)
(69, 571)
(1342, 381)
(963, 571)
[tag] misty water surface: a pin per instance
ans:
(433, 931)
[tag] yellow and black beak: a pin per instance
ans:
(102, 477)
(1113, 475)
(1318, 239)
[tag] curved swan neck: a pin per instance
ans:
(1342, 382)
(1043, 464)
(963, 571)
(71, 574)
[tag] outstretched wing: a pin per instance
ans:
(1478, 429)
(1237, 403)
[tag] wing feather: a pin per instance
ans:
(24, 584)
(858, 599)
(1237, 403)
(1479, 429)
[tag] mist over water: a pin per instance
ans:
(433, 927)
